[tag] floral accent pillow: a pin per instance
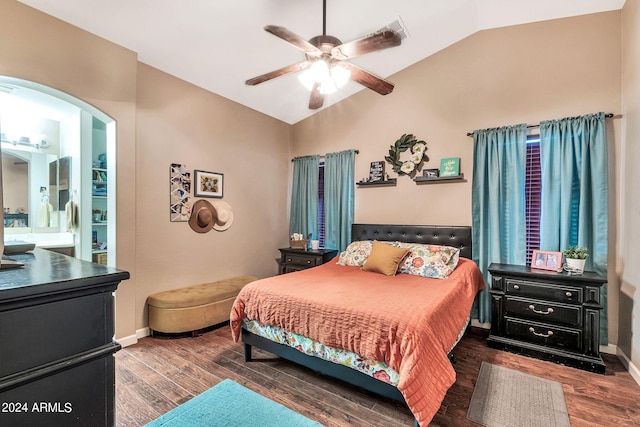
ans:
(434, 261)
(356, 253)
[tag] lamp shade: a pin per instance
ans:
(329, 78)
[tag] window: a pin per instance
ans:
(532, 191)
(321, 205)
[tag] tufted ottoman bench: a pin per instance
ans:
(195, 307)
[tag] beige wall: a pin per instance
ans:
(524, 73)
(628, 265)
(180, 123)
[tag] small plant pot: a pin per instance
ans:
(576, 265)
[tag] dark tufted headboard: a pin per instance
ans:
(456, 236)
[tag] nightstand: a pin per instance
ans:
(300, 259)
(548, 315)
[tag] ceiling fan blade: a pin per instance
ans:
(365, 78)
(317, 99)
(294, 39)
(277, 73)
(374, 42)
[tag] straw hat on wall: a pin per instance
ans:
(205, 216)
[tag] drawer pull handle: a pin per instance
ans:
(569, 294)
(308, 261)
(547, 335)
(288, 259)
(516, 287)
(533, 308)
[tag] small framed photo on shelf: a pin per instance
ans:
(208, 184)
(546, 260)
(431, 173)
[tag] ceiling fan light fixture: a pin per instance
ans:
(327, 85)
(329, 79)
(340, 75)
(317, 73)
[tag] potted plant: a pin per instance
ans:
(576, 257)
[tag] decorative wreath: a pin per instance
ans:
(418, 150)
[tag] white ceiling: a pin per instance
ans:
(217, 44)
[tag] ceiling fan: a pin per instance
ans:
(326, 62)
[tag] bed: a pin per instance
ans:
(398, 344)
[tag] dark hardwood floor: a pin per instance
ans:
(157, 374)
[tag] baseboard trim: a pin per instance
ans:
(609, 349)
(476, 324)
(132, 339)
(127, 341)
(631, 367)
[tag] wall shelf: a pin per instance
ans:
(438, 179)
(387, 183)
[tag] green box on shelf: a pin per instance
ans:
(450, 166)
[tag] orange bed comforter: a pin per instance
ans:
(408, 322)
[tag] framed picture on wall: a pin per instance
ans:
(208, 184)
(546, 260)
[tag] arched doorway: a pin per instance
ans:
(70, 150)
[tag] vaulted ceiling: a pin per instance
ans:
(217, 44)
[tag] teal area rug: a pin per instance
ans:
(230, 404)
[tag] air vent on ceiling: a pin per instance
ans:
(398, 27)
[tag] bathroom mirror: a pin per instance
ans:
(31, 189)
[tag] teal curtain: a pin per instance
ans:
(575, 200)
(304, 196)
(339, 188)
(497, 203)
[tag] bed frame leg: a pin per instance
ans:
(247, 352)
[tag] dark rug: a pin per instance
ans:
(508, 398)
(233, 405)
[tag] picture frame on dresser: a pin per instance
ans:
(546, 260)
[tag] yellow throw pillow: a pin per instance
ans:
(384, 258)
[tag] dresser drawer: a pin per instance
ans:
(546, 291)
(544, 311)
(302, 260)
(544, 334)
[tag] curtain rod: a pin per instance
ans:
(322, 157)
(607, 116)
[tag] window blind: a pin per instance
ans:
(533, 191)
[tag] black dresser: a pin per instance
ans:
(57, 342)
(547, 315)
(301, 259)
